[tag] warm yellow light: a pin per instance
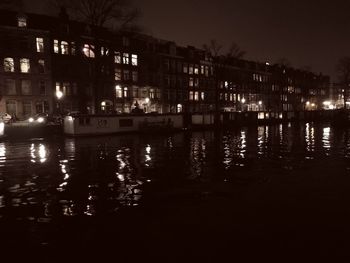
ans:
(59, 94)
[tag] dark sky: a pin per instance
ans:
(306, 32)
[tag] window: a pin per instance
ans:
(203, 96)
(25, 65)
(27, 108)
(117, 58)
(119, 93)
(26, 88)
(196, 96)
(135, 76)
(151, 94)
(202, 69)
(118, 74)
(206, 71)
(126, 75)
(10, 87)
(11, 107)
(64, 48)
(185, 68)
(22, 21)
(9, 65)
(56, 47)
(191, 82)
(196, 70)
(72, 48)
(191, 95)
(134, 60)
(126, 58)
(196, 82)
(88, 51)
(42, 88)
(41, 66)
(126, 92)
(190, 69)
(104, 51)
(39, 45)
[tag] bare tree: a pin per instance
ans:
(235, 52)
(343, 69)
(118, 14)
(213, 48)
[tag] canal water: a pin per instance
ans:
(248, 193)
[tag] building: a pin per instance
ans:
(56, 65)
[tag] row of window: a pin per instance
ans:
(88, 50)
(24, 65)
(25, 87)
(126, 58)
(67, 88)
(191, 69)
(127, 92)
(125, 75)
(13, 107)
(196, 95)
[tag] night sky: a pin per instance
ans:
(308, 33)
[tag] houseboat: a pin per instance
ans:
(85, 125)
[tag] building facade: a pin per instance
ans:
(55, 65)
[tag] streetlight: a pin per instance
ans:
(59, 96)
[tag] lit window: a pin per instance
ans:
(152, 94)
(22, 21)
(118, 74)
(135, 76)
(191, 82)
(88, 51)
(190, 69)
(119, 93)
(26, 88)
(56, 47)
(39, 45)
(185, 68)
(104, 51)
(64, 48)
(117, 58)
(126, 58)
(25, 65)
(202, 69)
(9, 65)
(41, 66)
(196, 70)
(72, 48)
(196, 96)
(134, 60)
(202, 95)
(126, 92)
(191, 95)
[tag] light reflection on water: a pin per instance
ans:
(92, 176)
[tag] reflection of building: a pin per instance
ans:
(55, 64)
